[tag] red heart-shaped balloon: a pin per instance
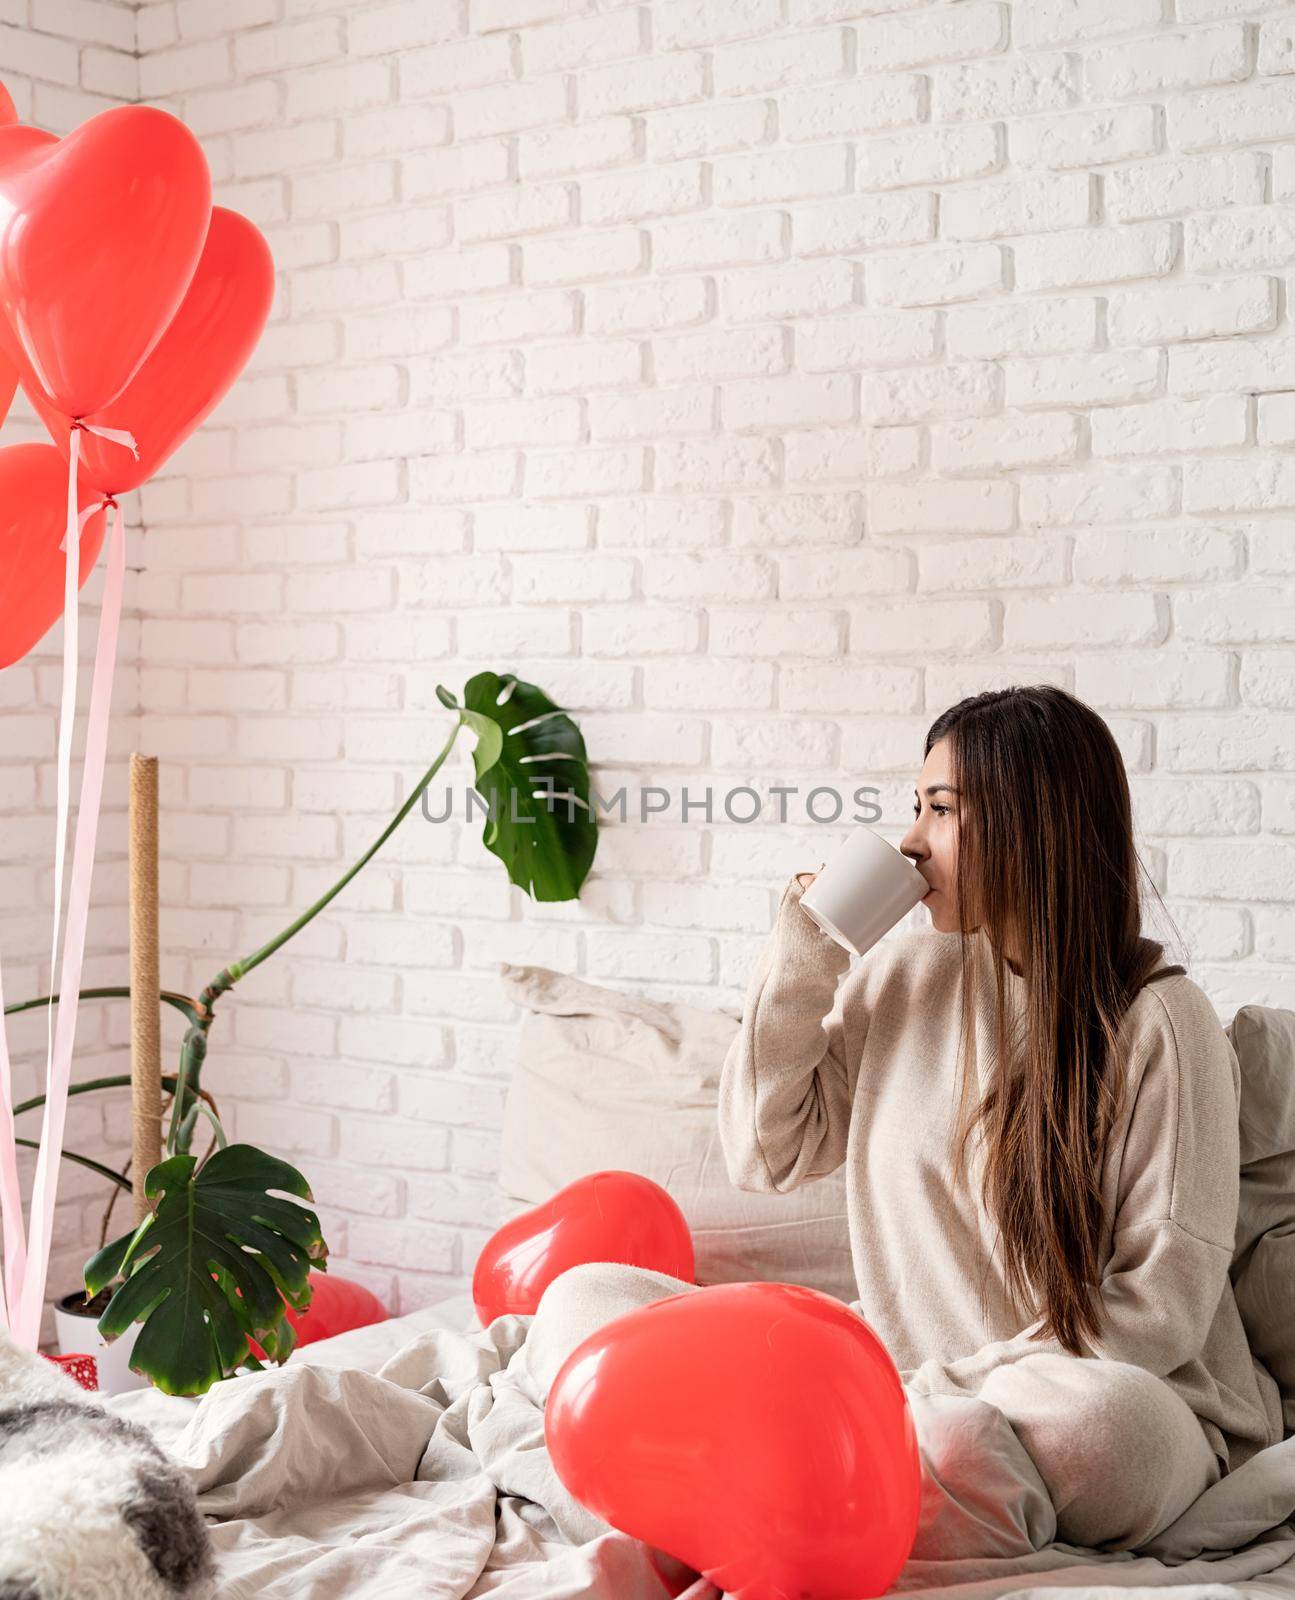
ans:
(14, 138)
(603, 1216)
(100, 233)
(757, 1431)
(19, 141)
(189, 369)
(8, 386)
(33, 520)
(336, 1306)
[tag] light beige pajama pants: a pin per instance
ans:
(1120, 1455)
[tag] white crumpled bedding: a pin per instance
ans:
(408, 1459)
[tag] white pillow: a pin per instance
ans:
(611, 1080)
(1263, 1263)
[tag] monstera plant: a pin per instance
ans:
(227, 1246)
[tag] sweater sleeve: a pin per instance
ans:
(1177, 1199)
(788, 1078)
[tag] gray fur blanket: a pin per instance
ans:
(89, 1504)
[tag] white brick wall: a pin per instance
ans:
(758, 379)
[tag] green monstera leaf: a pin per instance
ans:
(532, 772)
(216, 1263)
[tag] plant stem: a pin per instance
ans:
(211, 1109)
(117, 1082)
(181, 1002)
(194, 1048)
(121, 1081)
(239, 969)
(82, 1161)
(193, 1052)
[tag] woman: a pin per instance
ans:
(1100, 1197)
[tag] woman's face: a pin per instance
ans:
(931, 843)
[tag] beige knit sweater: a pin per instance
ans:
(867, 1074)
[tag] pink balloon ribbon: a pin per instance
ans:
(71, 658)
(66, 719)
(15, 1242)
(25, 1315)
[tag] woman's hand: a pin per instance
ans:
(802, 876)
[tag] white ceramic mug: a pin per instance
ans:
(863, 891)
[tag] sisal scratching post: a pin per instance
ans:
(145, 981)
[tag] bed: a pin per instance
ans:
(408, 1458)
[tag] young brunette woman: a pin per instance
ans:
(1071, 1269)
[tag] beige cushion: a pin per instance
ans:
(1263, 1265)
(611, 1080)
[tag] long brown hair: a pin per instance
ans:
(1047, 868)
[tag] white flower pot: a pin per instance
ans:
(78, 1334)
